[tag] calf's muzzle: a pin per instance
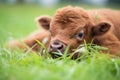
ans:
(56, 46)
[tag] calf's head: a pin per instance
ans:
(70, 27)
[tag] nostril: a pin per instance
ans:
(60, 47)
(51, 46)
(55, 47)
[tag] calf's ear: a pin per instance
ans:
(101, 28)
(44, 22)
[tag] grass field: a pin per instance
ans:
(17, 21)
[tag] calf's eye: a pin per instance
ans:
(80, 35)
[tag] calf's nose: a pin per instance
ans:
(57, 46)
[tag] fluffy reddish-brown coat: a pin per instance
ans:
(102, 26)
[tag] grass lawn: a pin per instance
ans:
(17, 21)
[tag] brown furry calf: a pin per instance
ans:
(72, 25)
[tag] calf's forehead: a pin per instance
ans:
(69, 18)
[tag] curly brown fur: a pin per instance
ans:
(69, 23)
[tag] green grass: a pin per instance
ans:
(17, 21)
